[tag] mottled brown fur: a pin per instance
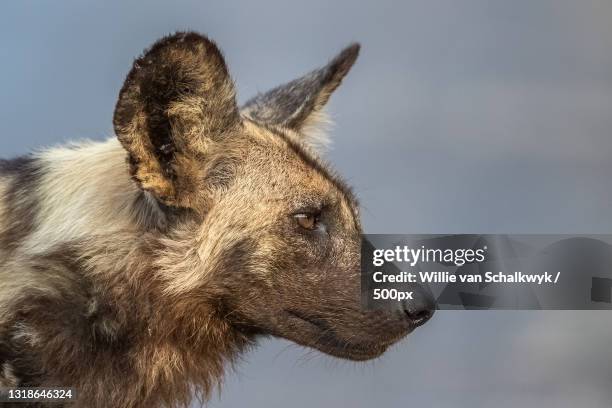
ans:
(137, 277)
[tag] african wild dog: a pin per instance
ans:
(134, 269)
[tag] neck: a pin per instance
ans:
(101, 317)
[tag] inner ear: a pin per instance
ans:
(298, 105)
(177, 102)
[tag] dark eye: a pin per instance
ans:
(309, 221)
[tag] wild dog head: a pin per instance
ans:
(268, 233)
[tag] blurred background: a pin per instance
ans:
(459, 117)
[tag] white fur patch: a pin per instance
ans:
(25, 334)
(85, 190)
(4, 183)
(7, 376)
(315, 131)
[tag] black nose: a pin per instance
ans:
(420, 308)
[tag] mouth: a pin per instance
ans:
(325, 339)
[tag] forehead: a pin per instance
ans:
(279, 154)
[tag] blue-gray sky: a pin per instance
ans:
(460, 116)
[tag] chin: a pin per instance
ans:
(354, 353)
(318, 334)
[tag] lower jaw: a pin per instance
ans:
(352, 354)
(356, 352)
(333, 346)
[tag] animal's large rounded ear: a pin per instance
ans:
(176, 102)
(299, 104)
